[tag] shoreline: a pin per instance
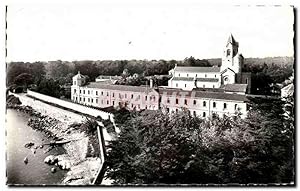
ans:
(80, 158)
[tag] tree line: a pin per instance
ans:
(265, 71)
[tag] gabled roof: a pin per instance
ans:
(198, 79)
(236, 87)
(197, 69)
(100, 85)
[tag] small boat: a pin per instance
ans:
(25, 160)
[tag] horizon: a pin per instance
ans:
(147, 59)
(136, 32)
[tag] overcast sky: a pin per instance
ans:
(42, 33)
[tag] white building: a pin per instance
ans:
(230, 72)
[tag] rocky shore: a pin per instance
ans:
(80, 159)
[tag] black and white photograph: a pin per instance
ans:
(150, 95)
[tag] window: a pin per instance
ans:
(176, 85)
(194, 113)
(92, 100)
(196, 75)
(88, 99)
(83, 91)
(74, 90)
(185, 85)
(153, 98)
(131, 96)
(80, 99)
(204, 103)
(120, 96)
(195, 102)
(168, 100)
(213, 86)
(125, 95)
(96, 100)
(131, 105)
(176, 110)
(102, 102)
(168, 110)
(215, 76)
(214, 104)
(203, 85)
(88, 91)
(139, 106)
(74, 82)
(145, 107)
(225, 105)
(176, 101)
(113, 103)
(187, 75)
(246, 80)
(107, 102)
(205, 75)
(145, 98)
(107, 94)
(101, 93)
(228, 52)
(96, 92)
(204, 114)
(83, 99)
(113, 94)
(80, 91)
(185, 102)
(235, 106)
(179, 75)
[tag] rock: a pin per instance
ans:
(28, 145)
(41, 146)
(25, 160)
(53, 170)
(51, 159)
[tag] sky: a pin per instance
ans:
(153, 31)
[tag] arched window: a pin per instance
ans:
(185, 101)
(176, 101)
(235, 106)
(228, 52)
(195, 102)
(194, 113)
(204, 103)
(204, 114)
(225, 105)
(214, 104)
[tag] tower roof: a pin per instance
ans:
(232, 40)
(78, 76)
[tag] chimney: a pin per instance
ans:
(151, 83)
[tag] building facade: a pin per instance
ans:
(230, 72)
(202, 91)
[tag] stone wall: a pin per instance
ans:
(71, 105)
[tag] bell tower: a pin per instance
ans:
(231, 59)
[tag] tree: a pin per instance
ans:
(24, 79)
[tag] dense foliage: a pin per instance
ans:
(154, 147)
(265, 71)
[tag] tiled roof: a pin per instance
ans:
(101, 85)
(236, 87)
(198, 79)
(203, 94)
(197, 69)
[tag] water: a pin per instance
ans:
(36, 172)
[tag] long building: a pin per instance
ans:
(202, 91)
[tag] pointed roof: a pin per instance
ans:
(232, 40)
(78, 76)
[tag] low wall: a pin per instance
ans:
(74, 106)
